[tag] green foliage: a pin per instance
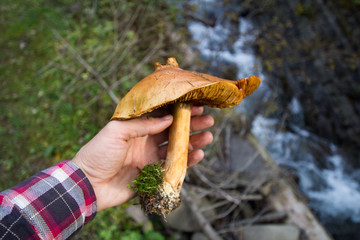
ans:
(149, 235)
(115, 223)
(54, 55)
(149, 179)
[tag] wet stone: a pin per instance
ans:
(199, 236)
(183, 219)
(269, 232)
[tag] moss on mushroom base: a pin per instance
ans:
(148, 180)
(156, 195)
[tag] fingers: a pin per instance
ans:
(195, 157)
(140, 127)
(197, 110)
(196, 141)
(200, 140)
(198, 123)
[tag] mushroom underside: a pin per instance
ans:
(215, 95)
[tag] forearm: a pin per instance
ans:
(52, 204)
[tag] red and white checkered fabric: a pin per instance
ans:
(52, 204)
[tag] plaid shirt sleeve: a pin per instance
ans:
(53, 204)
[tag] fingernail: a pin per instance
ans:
(167, 117)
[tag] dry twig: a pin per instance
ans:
(90, 69)
(235, 196)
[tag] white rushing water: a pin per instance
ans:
(244, 61)
(341, 197)
(332, 192)
(210, 41)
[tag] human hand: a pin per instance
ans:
(112, 159)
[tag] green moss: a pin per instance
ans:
(148, 181)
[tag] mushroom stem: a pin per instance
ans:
(167, 197)
(178, 146)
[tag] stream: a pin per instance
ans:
(332, 187)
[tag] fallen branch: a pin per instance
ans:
(270, 217)
(231, 195)
(224, 214)
(205, 225)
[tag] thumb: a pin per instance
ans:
(140, 127)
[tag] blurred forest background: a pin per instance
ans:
(64, 65)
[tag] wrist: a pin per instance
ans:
(77, 162)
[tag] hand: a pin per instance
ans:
(112, 159)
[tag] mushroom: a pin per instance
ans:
(171, 85)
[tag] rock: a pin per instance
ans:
(250, 159)
(285, 197)
(182, 218)
(199, 236)
(139, 217)
(269, 232)
(244, 156)
(327, 86)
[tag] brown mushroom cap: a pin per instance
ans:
(169, 84)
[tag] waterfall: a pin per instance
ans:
(332, 187)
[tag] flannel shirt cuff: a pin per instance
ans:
(57, 202)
